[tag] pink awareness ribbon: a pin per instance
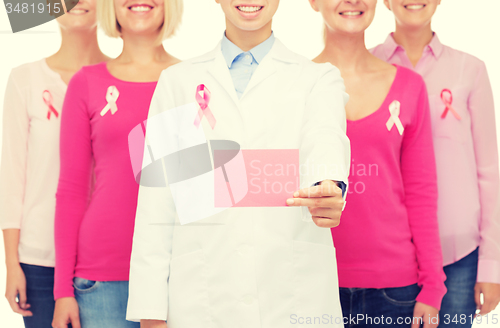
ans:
(395, 109)
(448, 101)
(204, 109)
(47, 98)
(111, 97)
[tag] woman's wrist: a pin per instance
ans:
(12, 263)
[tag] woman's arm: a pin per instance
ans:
(12, 186)
(484, 135)
(74, 181)
(16, 280)
(72, 196)
(418, 169)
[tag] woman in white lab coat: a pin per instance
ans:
(241, 266)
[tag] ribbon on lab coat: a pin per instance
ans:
(395, 109)
(47, 98)
(204, 109)
(447, 98)
(111, 97)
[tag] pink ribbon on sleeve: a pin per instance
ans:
(448, 101)
(204, 109)
(47, 98)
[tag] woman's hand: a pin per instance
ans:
(491, 294)
(426, 314)
(16, 286)
(66, 312)
(153, 324)
(325, 203)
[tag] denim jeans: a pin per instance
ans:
(370, 307)
(102, 304)
(458, 306)
(40, 295)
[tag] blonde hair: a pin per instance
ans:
(106, 16)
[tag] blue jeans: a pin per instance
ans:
(40, 295)
(386, 307)
(458, 306)
(102, 304)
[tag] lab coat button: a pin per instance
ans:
(248, 299)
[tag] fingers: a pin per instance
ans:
(22, 297)
(417, 315)
(326, 222)
(327, 188)
(75, 321)
(15, 306)
(327, 202)
(477, 296)
(489, 305)
(323, 212)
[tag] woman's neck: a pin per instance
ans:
(142, 49)
(247, 40)
(346, 51)
(78, 48)
(413, 40)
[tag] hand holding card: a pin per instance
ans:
(324, 201)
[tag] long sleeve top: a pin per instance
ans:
(94, 239)
(465, 149)
(30, 159)
(388, 235)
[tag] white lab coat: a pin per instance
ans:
(246, 267)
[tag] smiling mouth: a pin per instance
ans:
(352, 13)
(140, 8)
(77, 11)
(415, 7)
(250, 9)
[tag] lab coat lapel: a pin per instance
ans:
(267, 67)
(220, 72)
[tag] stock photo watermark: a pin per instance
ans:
(25, 14)
(362, 319)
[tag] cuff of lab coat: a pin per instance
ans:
(306, 215)
(136, 315)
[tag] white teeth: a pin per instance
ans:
(351, 13)
(140, 8)
(249, 9)
(414, 7)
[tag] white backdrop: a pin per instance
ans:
(472, 26)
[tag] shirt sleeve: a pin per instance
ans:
(418, 169)
(14, 154)
(74, 182)
(154, 225)
(325, 151)
(482, 113)
(324, 147)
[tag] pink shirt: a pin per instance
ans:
(95, 241)
(466, 152)
(30, 159)
(388, 236)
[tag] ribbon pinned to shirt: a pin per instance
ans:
(395, 109)
(447, 98)
(47, 98)
(111, 97)
(204, 109)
